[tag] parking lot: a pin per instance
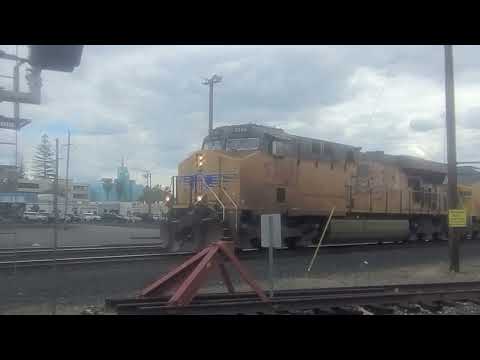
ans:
(84, 234)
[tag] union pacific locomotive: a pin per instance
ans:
(244, 171)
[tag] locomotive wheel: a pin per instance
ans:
(291, 242)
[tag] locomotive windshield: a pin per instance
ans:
(243, 144)
(213, 145)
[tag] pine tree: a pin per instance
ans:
(43, 161)
(21, 169)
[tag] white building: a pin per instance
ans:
(130, 208)
(78, 201)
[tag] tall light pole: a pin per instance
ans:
(16, 105)
(66, 180)
(210, 82)
(453, 235)
(148, 194)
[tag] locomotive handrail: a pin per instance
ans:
(216, 197)
(234, 205)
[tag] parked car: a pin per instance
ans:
(157, 217)
(113, 218)
(73, 218)
(35, 216)
(89, 217)
(133, 218)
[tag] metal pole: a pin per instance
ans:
(16, 116)
(270, 256)
(321, 240)
(16, 108)
(55, 230)
(451, 156)
(210, 108)
(66, 181)
(149, 182)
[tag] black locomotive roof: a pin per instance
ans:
(409, 163)
(255, 130)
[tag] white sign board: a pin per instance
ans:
(271, 231)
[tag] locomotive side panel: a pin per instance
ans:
(381, 186)
(378, 188)
(303, 187)
(260, 179)
(320, 187)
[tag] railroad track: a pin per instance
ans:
(347, 300)
(73, 255)
(75, 250)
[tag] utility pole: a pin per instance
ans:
(210, 82)
(16, 104)
(55, 194)
(148, 194)
(453, 234)
(66, 179)
(149, 183)
(55, 229)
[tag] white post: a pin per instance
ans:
(270, 255)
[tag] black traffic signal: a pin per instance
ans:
(55, 57)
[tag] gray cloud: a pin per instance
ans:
(471, 119)
(147, 103)
(423, 125)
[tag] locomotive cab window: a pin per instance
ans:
(243, 144)
(213, 145)
(281, 195)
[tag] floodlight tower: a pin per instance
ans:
(210, 82)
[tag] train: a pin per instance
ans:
(244, 171)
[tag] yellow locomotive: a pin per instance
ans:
(244, 171)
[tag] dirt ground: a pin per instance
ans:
(406, 274)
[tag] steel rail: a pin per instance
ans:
(305, 299)
(245, 254)
(7, 251)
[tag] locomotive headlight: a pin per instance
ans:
(200, 160)
(167, 199)
(199, 198)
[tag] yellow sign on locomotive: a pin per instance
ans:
(457, 218)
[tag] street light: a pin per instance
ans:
(210, 82)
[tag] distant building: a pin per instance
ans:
(43, 190)
(130, 208)
(80, 191)
(123, 188)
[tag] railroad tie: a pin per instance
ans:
(380, 309)
(411, 308)
(475, 301)
(346, 311)
(446, 303)
(430, 306)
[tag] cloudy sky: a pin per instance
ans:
(147, 103)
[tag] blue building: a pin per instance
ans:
(121, 189)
